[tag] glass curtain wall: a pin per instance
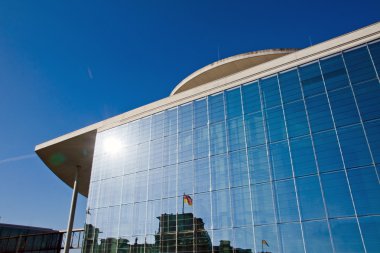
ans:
(288, 163)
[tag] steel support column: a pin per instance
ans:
(72, 212)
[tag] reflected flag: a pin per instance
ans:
(264, 242)
(187, 199)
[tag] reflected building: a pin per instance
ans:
(280, 145)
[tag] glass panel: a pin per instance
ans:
(366, 190)
(144, 129)
(233, 103)
(291, 238)
(290, 86)
(235, 134)
(241, 207)
(202, 175)
(126, 220)
(270, 92)
(200, 113)
(254, 127)
(310, 198)
(141, 186)
(221, 214)
(359, 65)
(158, 123)
(280, 159)
(327, 151)
(354, 146)
(238, 169)
(337, 194)
(286, 201)
(251, 98)
(219, 172)
(317, 237)
(216, 108)
(303, 156)
(370, 227)
(276, 125)
(155, 184)
(169, 183)
(171, 122)
(201, 142)
(374, 49)
(185, 144)
(368, 95)
(258, 165)
(296, 121)
(311, 79)
(202, 208)
(185, 117)
(346, 237)
(334, 72)
(185, 178)
(156, 153)
(139, 217)
(262, 204)
(128, 188)
(153, 211)
(218, 138)
(243, 240)
(372, 129)
(268, 233)
(222, 240)
(319, 113)
(343, 107)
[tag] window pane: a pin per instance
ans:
(185, 117)
(221, 214)
(202, 208)
(238, 169)
(251, 98)
(235, 134)
(303, 156)
(327, 151)
(201, 142)
(233, 103)
(290, 86)
(155, 184)
(310, 198)
(216, 108)
(268, 233)
(372, 129)
(337, 194)
(368, 96)
(258, 165)
(334, 72)
(262, 206)
(202, 175)
(185, 144)
(296, 121)
(343, 107)
(354, 146)
(254, 127)
(158, 123)
(185, 178)
(317, 237)
(171, 122)
(218, 138)
(359, 65)
(280, 159)
(311, 79)
(243, 239)
(219, 172)
(241, 206)
(286, 201)
(370, 227)
(200, 113)
(319, 113)
(270, 91)
(276, 126)
(346, 237)
(366, 190)
(291, 238)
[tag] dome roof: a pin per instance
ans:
(228, 66)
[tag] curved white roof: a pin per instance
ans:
(229, 66)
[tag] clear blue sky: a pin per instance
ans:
(67, 64)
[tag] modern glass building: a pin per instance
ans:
(279, 150)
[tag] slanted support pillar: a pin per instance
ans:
(72, 212)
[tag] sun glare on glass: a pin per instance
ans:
(112, 145)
